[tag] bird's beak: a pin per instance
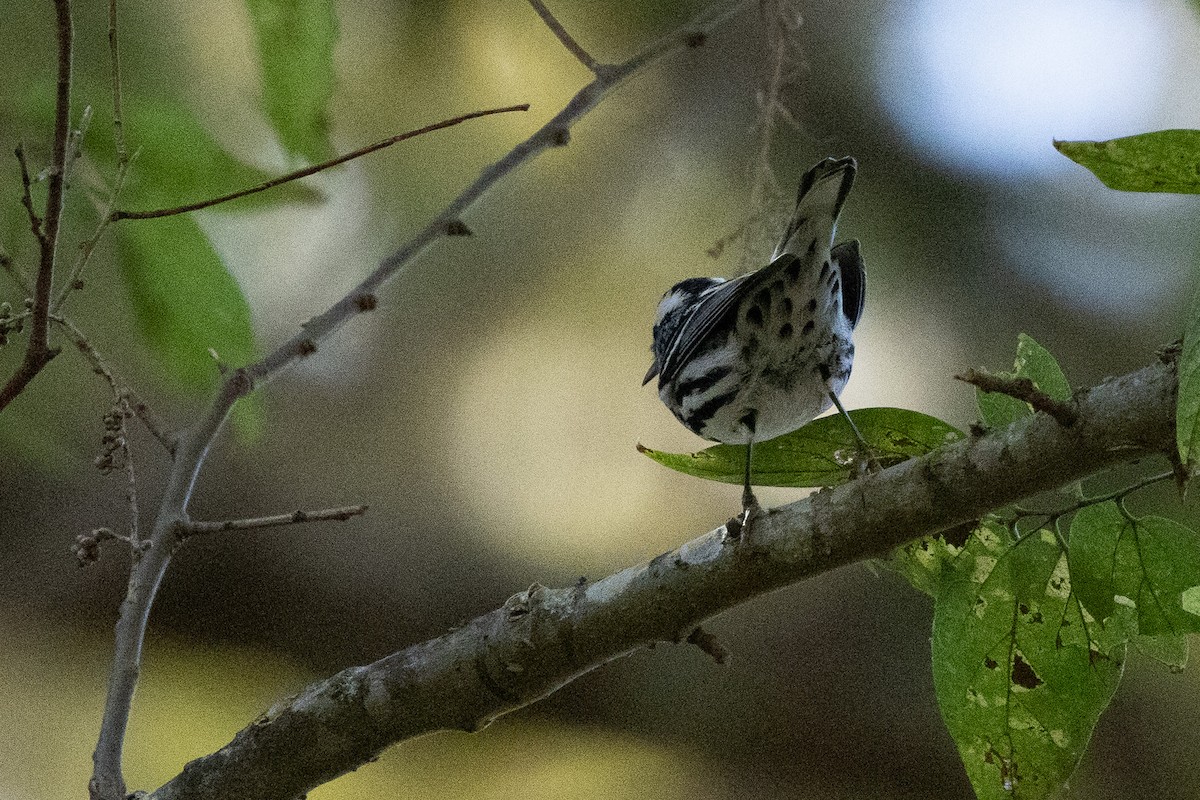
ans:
(651, 372)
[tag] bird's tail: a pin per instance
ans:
(823, 190)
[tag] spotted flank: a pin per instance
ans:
(757, 356)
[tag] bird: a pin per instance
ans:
(754, 357)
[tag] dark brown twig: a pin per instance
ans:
(38, 351)
(568, 41)
(16, 273)
(35, 222)
(1023, 389)
(193, 528)
(305, 172)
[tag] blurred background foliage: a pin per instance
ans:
(488, 411)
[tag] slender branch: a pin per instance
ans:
(87, 248)
(568, 41)
(74, 280)
(125, 413)
(192, 449)
(101, 367)
(38, 351)
(1119, 494)
(35, 222)
(306, 171)
(192, 528)
(542, 639)
(16, 273)
(1023, 389)
(115, 59)
(54, 197)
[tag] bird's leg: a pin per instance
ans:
(739, 526)
(866, 459)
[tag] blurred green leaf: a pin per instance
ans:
(295, 49)
(1146, 564)
(1034, 362)
(28, 436)
(1021, 674)
(822, 453)
(178, 162)
(1187, 402)
(184, 300)
(1161, 161)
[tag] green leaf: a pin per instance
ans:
(178, 162)
(1147, 564)
(924, 562)
(822, 453)
(1187, 402)
(1021, 674)
(295, 49)
(1171, 651)
(1034, 362)
(184, 300)
(1162, 161)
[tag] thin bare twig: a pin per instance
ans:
(1119, 494)
(568, 41)
(38, 351)
(16, 273)
(87, 248)
(101, 367)
(115, 59)
(35, 222)
(306, 171)
(194, 444)
(193, 528)
(1023, 389)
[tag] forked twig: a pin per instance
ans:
(568, 41)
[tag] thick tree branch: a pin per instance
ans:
(544, 638)
(192, 447)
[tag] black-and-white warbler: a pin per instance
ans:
(759, 356)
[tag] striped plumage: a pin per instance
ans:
(758, 356)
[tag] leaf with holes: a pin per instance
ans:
(1187, 402)
(1021, 674)
(1034, 362)
(822, 453)
(1160, 161)
(1149, 564)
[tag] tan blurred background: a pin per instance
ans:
(488, 411)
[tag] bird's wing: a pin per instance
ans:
(710, 314)
(850, 266)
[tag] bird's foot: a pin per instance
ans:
(738, 528)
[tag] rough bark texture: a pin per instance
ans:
(543, 638)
